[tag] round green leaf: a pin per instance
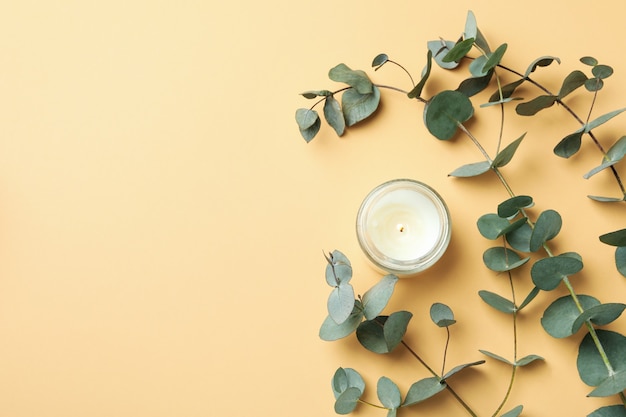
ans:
(395, 328)
(330, 330)
(512, 206)
(569, 145)
(590, 365)
(354, 78)
(600, 315)
(357, 106)
(547, 273)
(602, 71)
(548, 225)
(341, 303)
(377, 297)
(445, 112)
(502, 259)
(388, 393)
(345, 378)
(309, 123)
(423, 389)
(589, 60)
(594, 84)
(441, 315)
(491, 226)
(347, 401)
(559, 317)
(380, 60)
(519, 239)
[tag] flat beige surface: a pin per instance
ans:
(162, 222)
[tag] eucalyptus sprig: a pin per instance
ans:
(525, 236)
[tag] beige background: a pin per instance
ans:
(162, 222)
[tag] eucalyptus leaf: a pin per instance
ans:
(423, 390)
(395, 328)
(528, 359)
(620, 260)
(345, 378)
(519, 239)
(605, 199)
(590, 364)
(573, 81)
(388, 393)
(459, 50)
(496, 357)
(547, 226)
(316, 93)
(494, 103)
(506, 91)
(558, 319)
(543, 61)
(338, 268)
(341, 302)
(514, 412)
(347, 401)
(531, 296)
(589, 60)
(602, 119)
(506, 154)
(417, 90)
(355, 78)
(616, 238)
(441, 315)
(495, 57)
(376, 298)
(334, 116)
(331, 331)
(445, 112)
(379, 60)
(471, 170)
(439, 49)
(609, 411)
(476, 66)
(532, 107)
(459, 368)
(594, 84)
(513, 205)
(497, 301)
(491, 226)
(604, 165)
(599, 315)
(474, 85)
(602, 71)
(569, 145)
(357, 106)
(501, 259)
(547, 273)
(614, 384)
(309, 123)
(472, 31)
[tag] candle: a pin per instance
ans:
(403, 226)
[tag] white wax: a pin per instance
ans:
(404, 224)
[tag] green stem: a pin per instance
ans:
(372, 404)
(448, 387)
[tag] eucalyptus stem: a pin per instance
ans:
(514, 370)
(448, 387)
(372, 404)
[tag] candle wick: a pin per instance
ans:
(400, 228)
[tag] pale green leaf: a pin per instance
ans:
(528, 359)
(609, 411)
(543, 61)
(334, 116)
(439, 49)
(376, 298)
(347, 401)
(602, 119)
(471, 170)
(496, 357)
(495, 57)
(599, 315)
(502, 259)
(620, 260)
(309, 123)
(441, 315)
(547, 226)
(388, 393)
(514, 412)
(513, 205)
(459, 368)
(591, 367)
(561, 314)
(547, 273)
(354, 78)
(423, 390)
(341, 302)
(497, 301)
(357, 106)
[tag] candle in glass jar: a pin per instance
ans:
(403, 226)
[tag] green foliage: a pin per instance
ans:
(591, 363)
(442, 315)
(445, 112)
(601, 359)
